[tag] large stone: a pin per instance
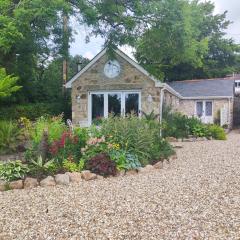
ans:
(87, 175)
(48, 182)
(2, 185)
(146, 169)
(131, 172)
(16, 184)
(99, 177)
(166, 163)
(158, 165)
(75, 176)
(30, 183)
(62, 179)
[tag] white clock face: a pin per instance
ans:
(112, 69)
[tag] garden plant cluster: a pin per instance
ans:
(118, 144)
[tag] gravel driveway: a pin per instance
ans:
(196, 197)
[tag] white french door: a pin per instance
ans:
(118, 103)
(204, 111)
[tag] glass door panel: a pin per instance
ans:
(114, 104)
(208, 109)
(132, 103)
(97, 106)
(199, 109)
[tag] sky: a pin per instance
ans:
(89, 50)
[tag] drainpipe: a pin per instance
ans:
(229, 112)
(161, 108)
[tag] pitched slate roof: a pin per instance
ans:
(204, 88)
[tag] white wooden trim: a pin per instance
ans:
(124, 56)
(94, 60)
(105, 95)
(204, 109)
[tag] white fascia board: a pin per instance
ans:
(124, 56)
(207, 97)
(94, 60)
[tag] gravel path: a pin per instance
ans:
(196, 197)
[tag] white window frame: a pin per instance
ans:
(123, 102)
(204, 117)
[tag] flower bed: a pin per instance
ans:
(120, 145)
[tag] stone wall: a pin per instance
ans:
(94, 79)
(188, 107)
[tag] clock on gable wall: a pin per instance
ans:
(112, 69)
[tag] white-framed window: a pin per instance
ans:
(204, 110)
(118, 103)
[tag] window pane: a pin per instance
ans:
(199, 109)
(97, 106)
(114, 104)
(208, 108)
(132, 103)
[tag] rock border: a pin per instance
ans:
(78, 177)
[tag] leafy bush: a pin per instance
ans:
(31, 111)
(124, 160)
(200, 130)
(39, 168)
(133, 135)
(70, 166)
(69, 146)
(53, 125)
(14, 170)
(161, 150)
(175, 124)
(9, 133)
(217, 132)
(102, 164)
(180, 126)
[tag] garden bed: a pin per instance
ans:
(121, 145)
(77, 177)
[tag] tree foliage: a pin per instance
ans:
(187, 42)
(7, 84)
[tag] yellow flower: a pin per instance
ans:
(116, 146)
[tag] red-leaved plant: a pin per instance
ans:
(102, 164)
(69, 145)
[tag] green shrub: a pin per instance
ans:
(54, 126)
(134, 135)
(40, 168)
(9, 133)
(217, 132)
(124, 160)
(71, 166)
(176, 125)
(31, 111)
(200, 130)
(14, 170)
(161, 150)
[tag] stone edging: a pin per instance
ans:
(76, 177)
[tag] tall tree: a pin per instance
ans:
(187, 42)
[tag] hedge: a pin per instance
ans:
(33, 111)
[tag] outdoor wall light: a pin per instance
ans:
(149, 98)
(78, 98)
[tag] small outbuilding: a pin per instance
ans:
(120, 86)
